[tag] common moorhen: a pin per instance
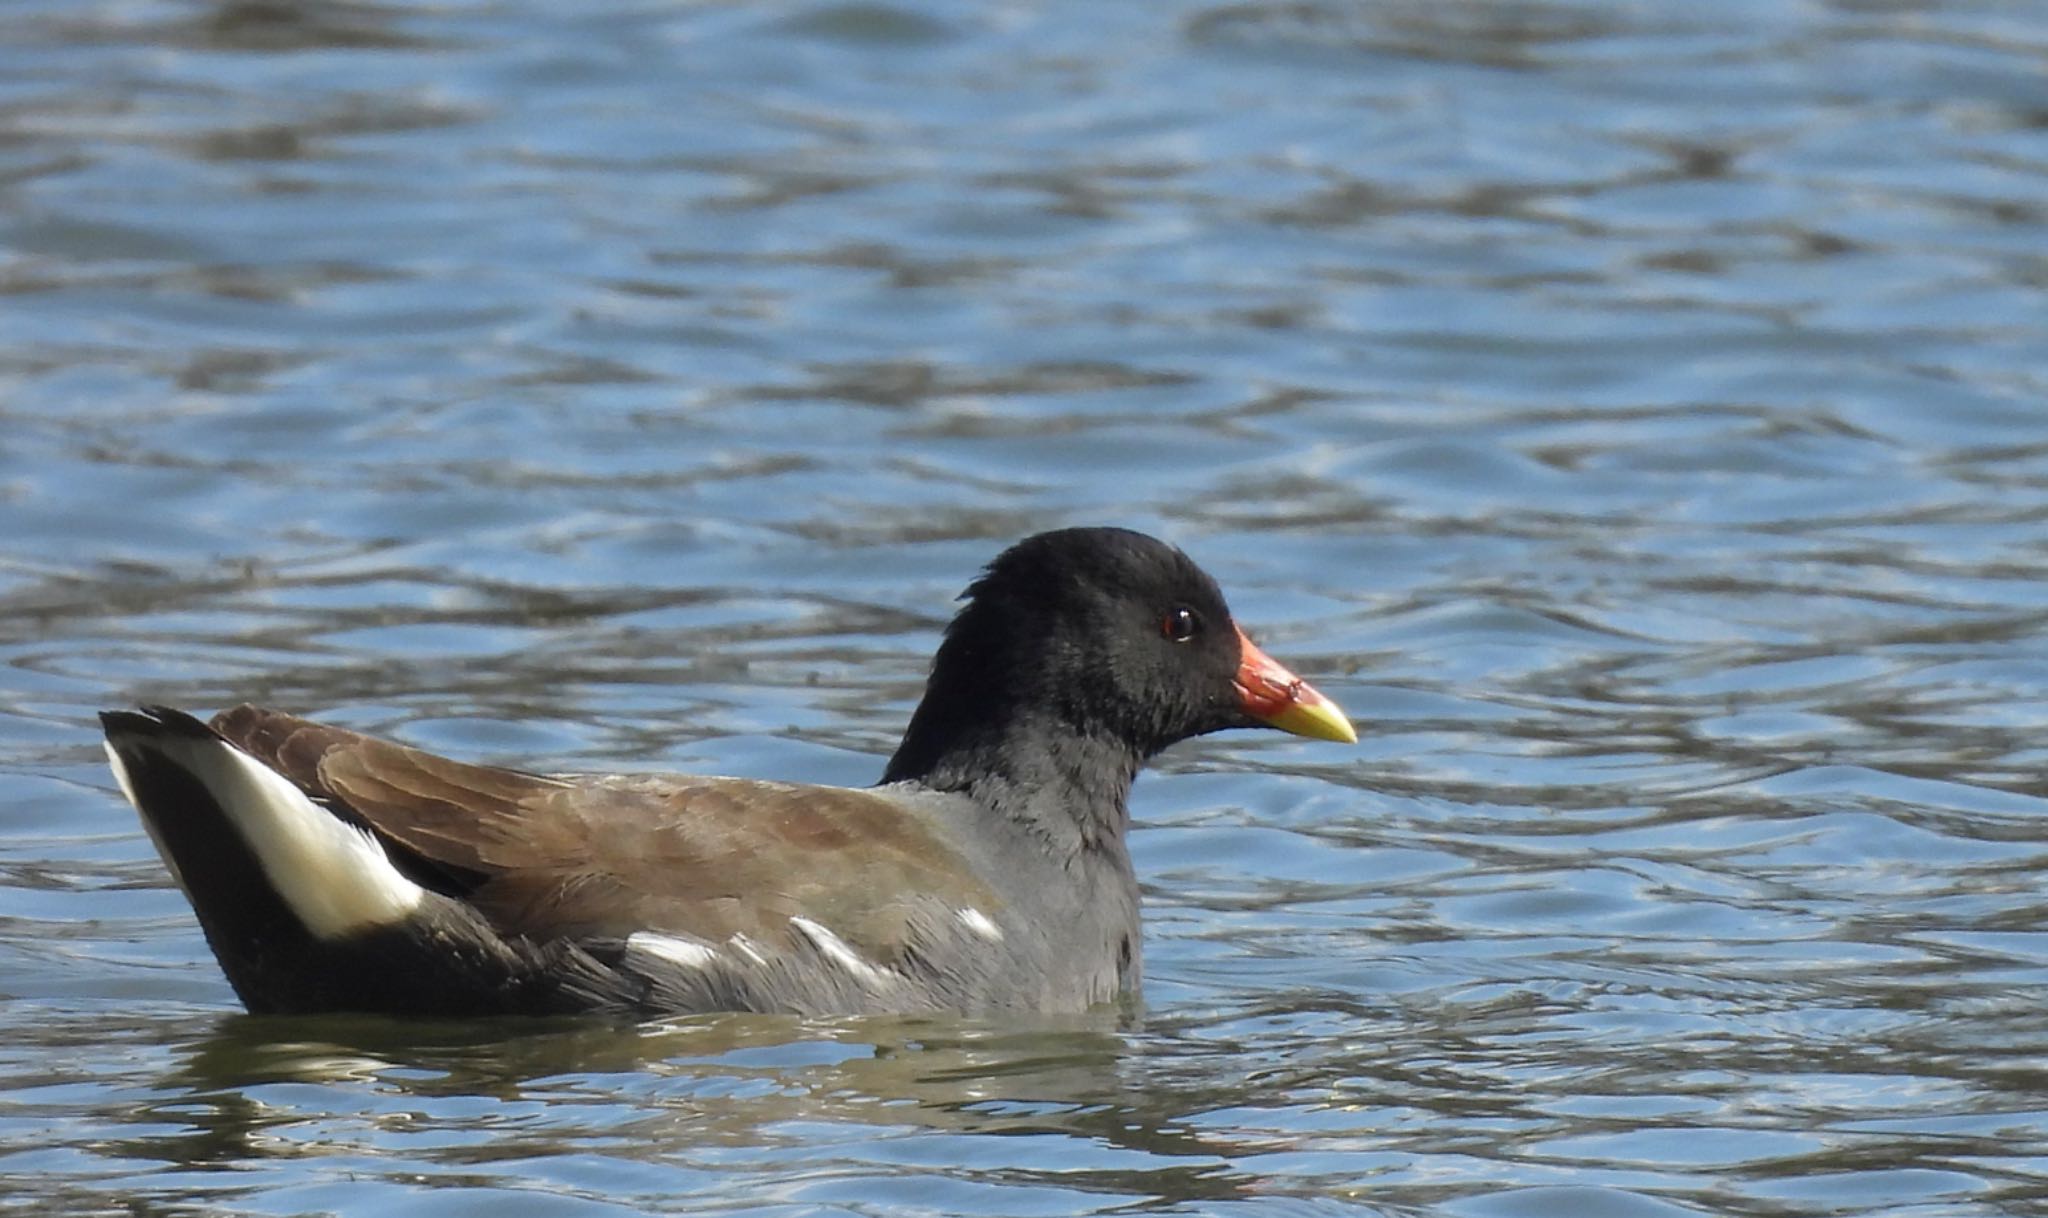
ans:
(333, 871)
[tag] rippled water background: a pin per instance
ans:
(1636, 414)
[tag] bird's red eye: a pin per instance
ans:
(1180, 624)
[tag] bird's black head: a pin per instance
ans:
(1102, 636)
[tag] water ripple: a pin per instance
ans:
(1631, 412)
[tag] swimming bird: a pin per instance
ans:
(988, 871)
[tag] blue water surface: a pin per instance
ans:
(1635, 414)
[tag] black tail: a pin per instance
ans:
(250, 927)
(303, 910)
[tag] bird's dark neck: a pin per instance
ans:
(1070, 786)
(1017, 723)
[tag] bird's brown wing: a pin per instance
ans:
(577, 857)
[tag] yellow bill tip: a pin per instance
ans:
(1311, 714)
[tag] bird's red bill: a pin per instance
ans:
(1276, 697)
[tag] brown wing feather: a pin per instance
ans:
(710, 857)
(447, 811)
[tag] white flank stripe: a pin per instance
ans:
(836, 950)
(686, 952)
(979, 923)
(335, 877)
(745, 947)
